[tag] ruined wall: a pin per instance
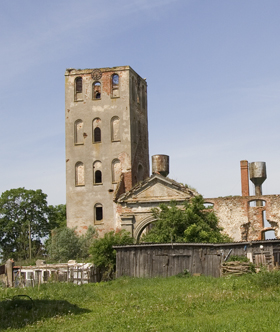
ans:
(243, 221)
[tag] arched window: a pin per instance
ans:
(140, 173)
(98, 213)
(96, 130)
(78, 132)
(79, 174)
(115, 129)
(116, 170)
(78, 88)
(96, 90)
(115, 86)
(97, 172)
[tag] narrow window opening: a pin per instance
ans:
(96, 130)
(96, 91)
(115, 85)
(99, 213)
(79, 85)
(97, 135)
(98, 177)
(78, 88)
(97, 172)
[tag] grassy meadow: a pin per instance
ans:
(248, 303)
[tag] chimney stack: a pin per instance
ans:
(244, 178)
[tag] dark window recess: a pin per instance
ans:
(98, 177)
(99, 213)
(96, 90)
(79, 84)
(97, 134)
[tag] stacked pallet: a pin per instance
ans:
(236, 268)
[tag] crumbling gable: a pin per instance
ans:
(134, 208)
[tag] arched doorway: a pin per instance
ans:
(142, 225)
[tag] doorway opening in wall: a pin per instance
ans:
(145, 231)
(270, 234)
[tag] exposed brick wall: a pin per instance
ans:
(244, 222)
(244, 177)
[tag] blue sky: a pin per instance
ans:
(212, 69)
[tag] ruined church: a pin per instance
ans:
(108, 181)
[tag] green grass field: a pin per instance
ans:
(249, 303)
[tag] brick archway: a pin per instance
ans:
(141, 225)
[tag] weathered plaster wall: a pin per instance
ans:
(124, 144)
(244, 222)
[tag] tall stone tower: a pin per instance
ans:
(106, 142)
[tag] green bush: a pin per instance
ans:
(193, 223)
(103, 254)
(237, 258)
(65, 244)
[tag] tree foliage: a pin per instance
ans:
(65, 244)
(22, 213)
(193, 223)
(57, 215)
(103, 254)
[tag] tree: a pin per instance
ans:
(23, 222)
(193, 223)
(65, 244)
(103, 254)
(57, 215)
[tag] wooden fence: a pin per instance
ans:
(152, 260)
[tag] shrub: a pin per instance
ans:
(65, 244)
(193, 223)
(237, 258)
(103, 254)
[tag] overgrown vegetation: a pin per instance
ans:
(193, 304)
(66, 244)
(193, 223)
(103, 254)
(238, 258)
